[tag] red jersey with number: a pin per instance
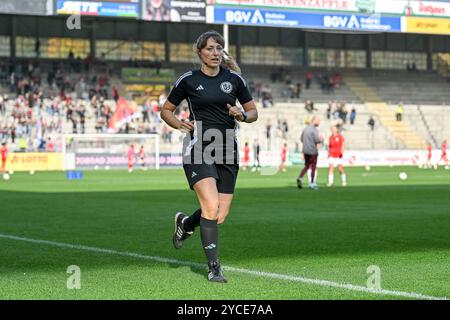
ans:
(335, 146)
(4, 152)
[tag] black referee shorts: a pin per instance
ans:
(225, 175)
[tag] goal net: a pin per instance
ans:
(110, 151)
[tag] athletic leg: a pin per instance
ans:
(343, 175)
(225, 200)
(208, 196)
(313, 169)
(330, 175)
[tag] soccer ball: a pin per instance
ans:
(368, 168)
(6, 176)
(130, 170)
(107, 168)
(403, 176)
(446, 167)
(253, 169)
(31, 172)
(96, 167)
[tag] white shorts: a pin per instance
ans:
(335, 161)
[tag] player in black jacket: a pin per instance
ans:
(210, 151)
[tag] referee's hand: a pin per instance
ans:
(186, 126)
(235, 112)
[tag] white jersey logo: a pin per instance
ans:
(226, 87)
(200, 87)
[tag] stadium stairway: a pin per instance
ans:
(375, 105)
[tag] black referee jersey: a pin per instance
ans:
(207, 97)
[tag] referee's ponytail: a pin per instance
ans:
(228, 61)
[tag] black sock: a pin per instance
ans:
(192, 221)
(209, 233)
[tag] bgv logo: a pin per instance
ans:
(239, 16)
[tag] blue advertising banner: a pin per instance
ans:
(296, 19)
(124, 8)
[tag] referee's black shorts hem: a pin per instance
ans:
(225, 175)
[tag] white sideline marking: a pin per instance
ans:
(324, 283)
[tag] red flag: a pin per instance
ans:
(122, 114)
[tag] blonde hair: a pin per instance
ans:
(228, 61)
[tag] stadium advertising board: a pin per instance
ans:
(310, 20)
(355, 158)
(38, 161)
(427, 25)
(34, 7)
(174, 10)
(394, 7)
(116, 8)
(120, 161)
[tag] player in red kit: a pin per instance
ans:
(443, 153)
(335, 156)
(141, 155)
(430, 153)
(283, 158)
(246, 157)
(4, 155)
(131, 158)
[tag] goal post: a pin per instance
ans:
(109, 151)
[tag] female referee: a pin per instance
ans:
(210, 151)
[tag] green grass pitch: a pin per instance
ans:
(332, 234)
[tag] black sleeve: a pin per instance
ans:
(178, 93)
(242, 92)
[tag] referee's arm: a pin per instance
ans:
(250, 109)
(167, 115)
(251, 114)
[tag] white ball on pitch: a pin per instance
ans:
(368, 168)
(96, 167)
(403, 176)
(107, 168)
(446, 167)
(6, 176)
(31, 172)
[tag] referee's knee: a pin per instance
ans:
(210, 210)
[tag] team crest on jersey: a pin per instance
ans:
(226, 87)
